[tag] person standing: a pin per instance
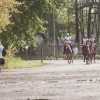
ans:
(2, 53)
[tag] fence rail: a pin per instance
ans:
(47, 51)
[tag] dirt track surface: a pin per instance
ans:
(56, 81)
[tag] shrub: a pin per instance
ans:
(98, 57)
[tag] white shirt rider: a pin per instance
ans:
(67, 38)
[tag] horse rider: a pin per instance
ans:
(92, 42)
(85, 39)
(68, 39)
(92, 39)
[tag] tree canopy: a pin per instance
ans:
(23, 20)
(7, 7)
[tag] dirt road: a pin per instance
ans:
(56, 81)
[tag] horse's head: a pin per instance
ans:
(66, 44)
(87, 42)
(68, 48)
(86, 49)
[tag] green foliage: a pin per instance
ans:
(10, 55)
(49, 58)
(65, 19)
(6, 9)
(29, 22)
(98, 57)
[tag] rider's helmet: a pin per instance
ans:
(67, 34)
(85, 35)
(92, 36)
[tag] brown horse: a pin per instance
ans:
(86, 52)
(68, 52)
(92, 51)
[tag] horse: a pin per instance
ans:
(86, 52)
(68, 52)
(92, 51)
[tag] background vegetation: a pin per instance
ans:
(22, 20)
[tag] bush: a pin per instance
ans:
(98, 57)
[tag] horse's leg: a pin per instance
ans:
(87, 59)
(84, 57)
(0, 69)
(72, 58)
(90, 56)
(68, 58)
(94, 57)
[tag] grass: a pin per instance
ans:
(19, 63)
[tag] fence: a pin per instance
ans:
(47, 51)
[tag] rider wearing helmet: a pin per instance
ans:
(92, 39)
(85, 39)
(68, 39)
(85, 42)
(92, 43)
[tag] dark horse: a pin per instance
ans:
(89, 52)
(92, 51)
(86, 52)
(68, 52)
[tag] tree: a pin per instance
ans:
(7, 7)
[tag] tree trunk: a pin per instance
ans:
(89, 23)
(77, 24)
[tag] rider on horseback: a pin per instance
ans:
(85, 39)
(92, 43)
(68, 39)
(92, 39)
(88, 49)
